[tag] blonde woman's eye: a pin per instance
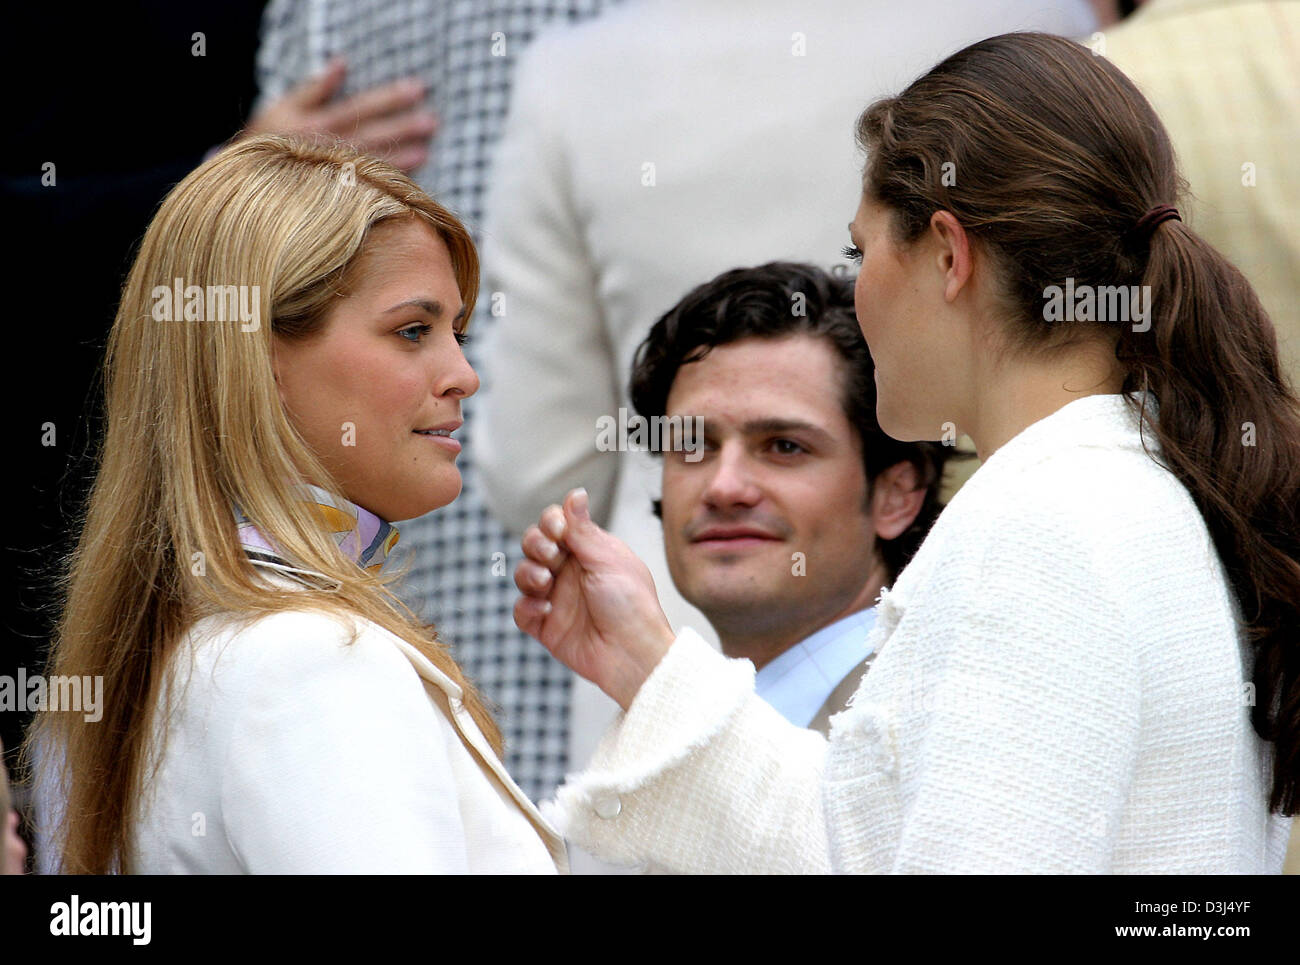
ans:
(415, 332)
(852, 253)
(461, 338)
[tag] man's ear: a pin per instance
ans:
(955, 257)
(896, 499)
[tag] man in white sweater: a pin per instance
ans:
(786, 510)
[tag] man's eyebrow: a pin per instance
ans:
(759, 426)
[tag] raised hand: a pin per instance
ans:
(590, 600)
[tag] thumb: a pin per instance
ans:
(584, 539)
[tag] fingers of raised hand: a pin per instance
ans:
(530, 613)
(542, 549)
(552, 523)
(533, 579)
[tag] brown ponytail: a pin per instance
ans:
(1049, 157)
(1228, 429)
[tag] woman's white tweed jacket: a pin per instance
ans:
(1060, 687)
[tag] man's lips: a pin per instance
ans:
(733, 535)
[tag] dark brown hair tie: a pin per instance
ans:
(1147, 224)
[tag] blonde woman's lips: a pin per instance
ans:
(441, 437)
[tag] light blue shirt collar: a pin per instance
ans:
(799, 681)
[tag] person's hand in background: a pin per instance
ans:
(388, 122)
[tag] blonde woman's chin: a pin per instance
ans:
(421, 500)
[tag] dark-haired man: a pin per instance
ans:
(800, 508)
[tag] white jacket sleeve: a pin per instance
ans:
(548, 370)
(701, 776)
(337, 763)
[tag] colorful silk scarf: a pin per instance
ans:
(361, 535)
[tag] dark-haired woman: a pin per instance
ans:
(1092, 663)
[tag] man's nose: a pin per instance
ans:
(732, 482)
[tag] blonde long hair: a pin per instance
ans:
(194, 425)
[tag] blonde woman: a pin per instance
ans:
(283, 379)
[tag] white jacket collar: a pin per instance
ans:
(1106, 421)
